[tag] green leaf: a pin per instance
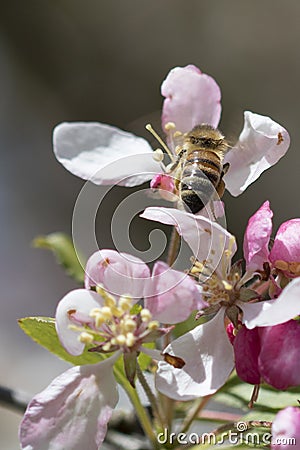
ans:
(42, 331)
(62, 247)
(237, 394)
(188, 325)
(145, 360)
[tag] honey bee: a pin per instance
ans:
(199, 167)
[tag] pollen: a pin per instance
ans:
(146, 315)
(158, 155)
(86, 338)
(125, 303)
(170, 126)
(281, 265)
(153, 325)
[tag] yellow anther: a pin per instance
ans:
(106, 313)
(130, 339)
(117, 312)
(177, 134)
(129, 325)
(153, 325)
(227, 285)
(146, 315)
(158, 155)
(86, 338)
(105, 295)
(113, 341)
(170, 126)
(109, 301)
(125, 303)
(99, 320)
(121, 339)
(94, 312)
(106, 347)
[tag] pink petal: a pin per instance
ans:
(274, 312)
(261, 144)
(174, 295)
(192, 98)
(73, 411)
(104, 154)
(119, 273)
(287, 244)
(279, 359)
(208, 357)
(81, 302)
(286, 429)
(257, 237)
(207, 240)
(246, 350)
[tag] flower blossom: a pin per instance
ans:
(286, 429)
(284, 256)
(268, 350)
(107, 155)
(73, 411)
(206, 350)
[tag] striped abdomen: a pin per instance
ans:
(201, 175)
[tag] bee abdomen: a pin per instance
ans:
(201, 175)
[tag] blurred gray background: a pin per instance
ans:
(104, 61)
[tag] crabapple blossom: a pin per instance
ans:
(286, 429)
(268, 350)
(121, 273)
(284, 255)
(206, 349)
(105, 155)
(73, 411)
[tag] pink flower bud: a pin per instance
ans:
(286, 429)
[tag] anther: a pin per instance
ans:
(153, 325)
(281, 265)
(125, 303)
(146, 315)
(85, 338)
(170, 126)
(121, 339)
(158, 155)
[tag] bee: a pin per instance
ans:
(198, 167)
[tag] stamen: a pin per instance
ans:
(125, 303)
(177, 134)
(170, 126)
(121, 339)
(164, 146)
(130, 339)
(158, 155)
(86, 338)
(105, 295)
(146, 315)
(153, 325)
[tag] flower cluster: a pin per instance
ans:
(248, 310)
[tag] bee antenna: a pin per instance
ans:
(158, 138)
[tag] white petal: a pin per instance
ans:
(208, 357)
(82, 301)
(207, 240)
(274, 312)
(261, 144)
(104, 154)
(73, 411)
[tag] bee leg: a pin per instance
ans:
(225, 169)
(171, 167)
(221, 186)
